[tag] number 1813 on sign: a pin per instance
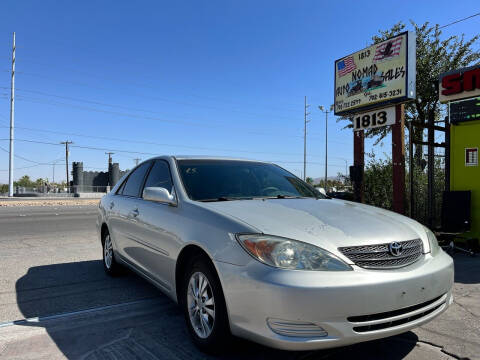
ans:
(374, 119)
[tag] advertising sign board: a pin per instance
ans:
(376, 76)
(374, 119)
(465, 110)
(459, 84)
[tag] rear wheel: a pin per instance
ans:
(110, 265)
(204, 307)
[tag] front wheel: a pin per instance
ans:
(111, 267)
(204, 307)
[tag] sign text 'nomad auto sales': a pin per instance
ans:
(381, 74)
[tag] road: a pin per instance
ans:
(56, 302)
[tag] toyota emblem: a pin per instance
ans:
(395, 248)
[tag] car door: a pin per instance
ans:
(158, 225)
(124, 212)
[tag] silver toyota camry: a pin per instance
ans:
(250, 250)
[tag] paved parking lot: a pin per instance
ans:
(56, 302)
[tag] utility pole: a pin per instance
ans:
(326, 111)
(136, 161)
(12, 122)
(305, 121)
(66, 161)
(109, 158)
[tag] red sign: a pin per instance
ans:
(461, 84)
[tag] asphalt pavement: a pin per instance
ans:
(56, 303)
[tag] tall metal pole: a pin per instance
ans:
(326, 147)
(12, 122)
(305, 121)
(136, 160)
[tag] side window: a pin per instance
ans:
(135, 180)
(160, 176)
(120, 189)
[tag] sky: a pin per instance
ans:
(228, 78)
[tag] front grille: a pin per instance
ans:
(381, 326)
(379, 257)
(388, 314)
(388, 319)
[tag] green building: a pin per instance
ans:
(464, 166)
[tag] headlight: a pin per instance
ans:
(432, 240)
(290, 254)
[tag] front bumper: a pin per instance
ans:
(256, 292)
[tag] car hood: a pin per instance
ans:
(327, 223)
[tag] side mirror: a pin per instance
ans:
(159, 194)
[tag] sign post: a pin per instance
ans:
(398, 159)
(358, 165)
(371, 86)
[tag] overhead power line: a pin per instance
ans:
(150, 87)
(457, 21)
(258, 132)
(157, 98)
(128, 151)
(37, 163)
(144, 117)
(136, 141)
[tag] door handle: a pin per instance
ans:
(135, 212)
(112, 204)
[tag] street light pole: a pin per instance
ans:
(326, 149)
(326, 111)
(12, 117)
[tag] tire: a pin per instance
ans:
(211, 335)
(110, 265)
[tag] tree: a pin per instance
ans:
(24, 181)
(378, 182)
(40, 182)
(434, 56)
(309, 180)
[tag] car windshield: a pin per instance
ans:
(222, 180)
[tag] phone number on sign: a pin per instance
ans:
(348, 104)
(384, 95)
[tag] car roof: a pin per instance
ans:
(209, 157)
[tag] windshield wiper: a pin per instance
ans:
(224, 198)
(221, 198)
(280, 196)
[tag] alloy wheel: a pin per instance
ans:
(108, 252)
(201, 305)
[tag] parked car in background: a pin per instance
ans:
(248, 249)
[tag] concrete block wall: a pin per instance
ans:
(95, 181)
